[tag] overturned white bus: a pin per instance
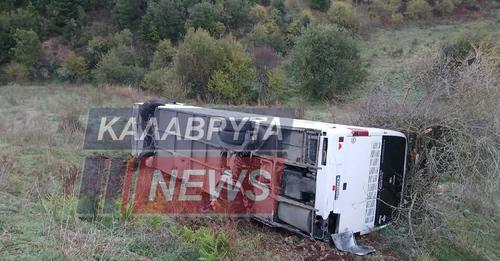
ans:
(333, 181)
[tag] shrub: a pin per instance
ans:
(73, 69)
(321, 5)
(325, 62)
(277, 85)
(123, 37)
(28, 48)
(445, 7)
(163, 56)
(198, 56)
(463, 48)
(258, 14)
(342, 14)
(278, 5)
(450, 120)
(163, 19)
(163, 82)
(210, 245)
(268, 34)
(118, 66)
(96, 48)
(397, 18)
(17, 72)
(470, 4)
(385, 7)
(419, 9)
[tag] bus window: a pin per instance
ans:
(324, 151)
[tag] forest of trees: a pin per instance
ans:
(230, 51)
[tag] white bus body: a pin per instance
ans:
(338, 180)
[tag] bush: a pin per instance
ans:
(385, 7)
(268, 34)
(278, 5)
(96, 48)
(342, 14)
(163, 82)
(73, 69)
(122, 38)
(163, 56)
(118, 66)
(16, 72)
(258, 14)
(210, 245)
(321, 5)
(277, 85)
(419, 9)
(451, 120)
(445, 7)
(28, 48)
(325, 63)
(163, 19)
(397, 18)
(462, 49)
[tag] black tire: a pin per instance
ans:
(148, 108)
(146, 111)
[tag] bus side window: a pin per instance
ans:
(324, 151)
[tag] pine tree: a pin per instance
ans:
(126, 12)
(63, 11)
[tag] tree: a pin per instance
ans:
(163, 19)
(277, 85)
(64, 10)
(96, 48)
(126, 12)
(197, 58)
(270, 34)
(163, 82)
(10, 21)
(28, 48)
(321, 5)
(119, 66)
(325, 62)
(163, 56)
(236, 13)
(206, 16)
(233, 82)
